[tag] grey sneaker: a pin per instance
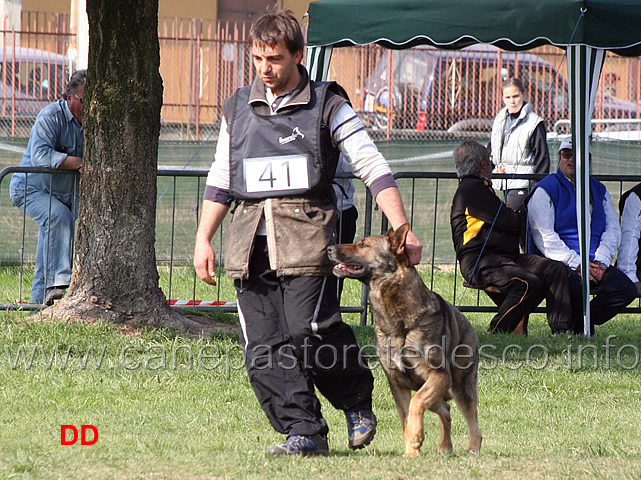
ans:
(301, 445)
(54, 293)
(361, 428)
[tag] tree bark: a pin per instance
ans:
(114, 274)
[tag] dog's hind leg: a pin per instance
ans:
(430, 396)
(467, 402)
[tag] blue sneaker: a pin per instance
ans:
(361, 428)
(301, 445)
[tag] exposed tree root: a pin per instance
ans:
(75, 308)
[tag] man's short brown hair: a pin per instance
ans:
(270, 28)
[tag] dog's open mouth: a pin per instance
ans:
(342, 270)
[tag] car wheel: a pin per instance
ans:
(386, 109)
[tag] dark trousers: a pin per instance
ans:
(524, 281)
(346, 233)
(514, 198)
(294, 339)
(614, 292)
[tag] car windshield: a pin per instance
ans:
(412, 69)
(42, 79)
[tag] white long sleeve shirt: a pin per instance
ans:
(630, 228)
(541, 216)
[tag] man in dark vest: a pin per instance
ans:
(629, 260)
(554, 234)
(277, 152)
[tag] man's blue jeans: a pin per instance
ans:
(55, 221)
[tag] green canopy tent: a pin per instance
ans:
(586, 29)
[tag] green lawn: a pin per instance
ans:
(166, 406)
(172, 407)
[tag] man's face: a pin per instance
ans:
(566, 163)
(276, 66)
(75, 102)
(487, 165)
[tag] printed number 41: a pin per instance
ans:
(268, 174)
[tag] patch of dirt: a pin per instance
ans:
(216, 325)
(190, 325)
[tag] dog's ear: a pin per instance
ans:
(397, 239)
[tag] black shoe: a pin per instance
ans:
(55, 293)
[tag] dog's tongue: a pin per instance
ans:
(346, 269)
(341, 267)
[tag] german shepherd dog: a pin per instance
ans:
(423, 342)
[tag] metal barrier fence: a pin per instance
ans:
(180, 195)
(426, 195)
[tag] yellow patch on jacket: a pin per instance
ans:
(473, 228)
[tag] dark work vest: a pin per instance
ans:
(636, 189)
(286, 154)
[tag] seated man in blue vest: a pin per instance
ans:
(554, 234)
(629, 259)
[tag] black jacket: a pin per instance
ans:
(474, 211)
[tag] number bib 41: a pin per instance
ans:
(276, 174)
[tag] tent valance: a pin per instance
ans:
(514, 25)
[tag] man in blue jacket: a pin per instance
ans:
(56, 141)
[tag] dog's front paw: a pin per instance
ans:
(411, 452)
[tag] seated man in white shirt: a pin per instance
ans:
(554, 234)
(629, 260)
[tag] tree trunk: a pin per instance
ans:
(114, 274)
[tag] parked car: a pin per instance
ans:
(437, 89)
(29, 80)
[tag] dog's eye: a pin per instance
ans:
(362, 244)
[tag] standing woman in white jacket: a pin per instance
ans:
(518, 144)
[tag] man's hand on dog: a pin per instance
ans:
(389, 199)
(413, 249)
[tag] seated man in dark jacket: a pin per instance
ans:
(485, 233)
